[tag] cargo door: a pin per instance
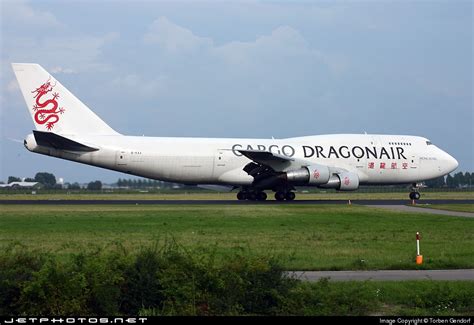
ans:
(222, 161)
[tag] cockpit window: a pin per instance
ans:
(428, 143)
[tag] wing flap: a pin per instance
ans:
(53, 140)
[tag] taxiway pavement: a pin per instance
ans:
(386, 275)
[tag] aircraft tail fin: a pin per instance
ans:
(53, 107)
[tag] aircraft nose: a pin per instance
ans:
(450, 163)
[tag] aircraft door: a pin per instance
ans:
(222, 161)
(414, 164)
(121, 158)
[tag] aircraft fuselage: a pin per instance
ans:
(376, 159)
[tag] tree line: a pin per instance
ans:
(144, 183)
(458, 180)
(48, 181)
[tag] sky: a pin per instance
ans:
(247, 69)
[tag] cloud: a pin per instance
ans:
(19, 13)
(174, 38)
(59, 69)
(280, 61)
(284, 45)
(135, 85)
(208, 77)
(283, 41)
(13, 86)
(71, 54)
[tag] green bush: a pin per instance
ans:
(155, 281)
(332, 299)
(175, 282)
(17, 267)
(104, 278)
(56, 289)
(441, 299)
(169, 280)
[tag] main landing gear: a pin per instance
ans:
(281, 196)
(414, 194)
(255, 195)
(251, 195)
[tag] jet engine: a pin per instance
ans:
(311, 175)
(316, 175)
(346, 181)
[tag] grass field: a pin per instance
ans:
(232, 196)
(310, 237)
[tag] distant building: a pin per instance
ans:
(19, 185)
(60, 182)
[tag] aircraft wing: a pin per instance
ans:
(265, 164)
(265, 157)
(269, 169)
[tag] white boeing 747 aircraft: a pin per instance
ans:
(66, 128)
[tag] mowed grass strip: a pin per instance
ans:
(309, 237)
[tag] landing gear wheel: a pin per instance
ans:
(290, 196)
(241, 196)
(279, 196)
(252, 196)
(415, 195)
(261, 196)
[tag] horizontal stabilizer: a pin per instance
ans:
(48, 139)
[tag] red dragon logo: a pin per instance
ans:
(347, 181)
(43, 115)
(316, 174)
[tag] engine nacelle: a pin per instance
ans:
(349, 181)
(346, 181)
(311, 175)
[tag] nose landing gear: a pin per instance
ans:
(414, 194)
